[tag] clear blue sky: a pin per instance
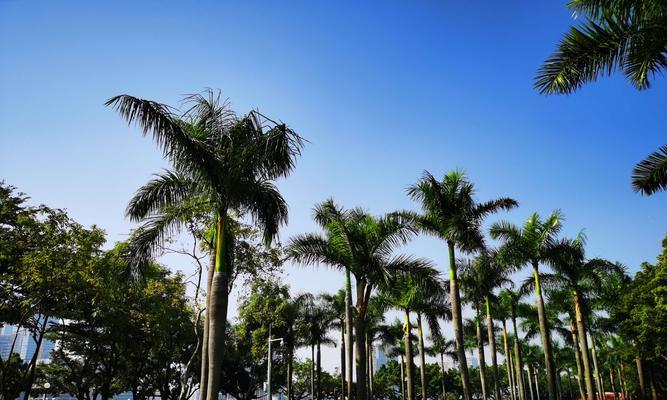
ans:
(381, 90)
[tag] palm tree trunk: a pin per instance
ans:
(422, 357)
(530, 381)
(537, 384)
(442, 370)
(596, 372)
(518, 362)
(348, 331)
(480, 354)
(219, 298)
(319, 372)
(408, 356)
(508, 362)
(342, 362)
(458, 322)
(370, 368)
(514, 390)
(612, 382)
(492, 349)
(640, 375)
(651, 382)
(360, 341)
(569, 385)
(204, 346)
(545, 335)
(402, 378)
(312, 371)
(290, 371)
(583, 344)
(577, 359)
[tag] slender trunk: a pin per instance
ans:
(203, 382)
(312, 371)
(508, 362)
(360, 340)
(422, 356)
(342, 362)
(583, 344)
(537, 384)
(319, 371)
(612, 382)
(290, 371)
(219, 297)
(518, 363)
(408, 356)
(621, 378)
(545, 335)
(578, 360)
(30, 379)
(512, 374)
(492, 349)
(651, 382)
(480, 354)
(348, 331)
(640, 375)
(370, 368)
(569, 385)
(442, 370)
(598, 384)
(402, 378)
(530, 381)
(458, 322)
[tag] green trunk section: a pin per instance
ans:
(408, 356)
(422, 356)
(492, 349)
(457, 321)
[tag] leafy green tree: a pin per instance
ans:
(221, 159)
(450, 212)
(531, 244)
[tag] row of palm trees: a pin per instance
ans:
(363, 247)
(222, 168)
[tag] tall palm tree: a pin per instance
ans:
(318, 320)
(221, 159)
(531, 244)
(511, 300)
(432, 306)
(450, 212)
(625, 35)
(364, 244)
(502, 312)
(442, 347)
(336, 304)
(489, 274)
(391, 337)
(574, 273)
(405, 293)
(293, 314)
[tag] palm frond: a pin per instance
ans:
(650, 175)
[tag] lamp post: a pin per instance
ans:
(47, 386)
(269, 362)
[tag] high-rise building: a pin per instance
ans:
(24, 344)
(380, 358)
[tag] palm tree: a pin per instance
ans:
(572, 272)
(450, 212)
(391, 337)
(432, 306)
(218, 158)
(531, 245)
(489, 274)
(626, 35)
(336, 304)
(442, 347)
(318, 320)
(293, 314)
(362, 244)
(511, 300)
(405, 293)
(374, 322)
(503, 312)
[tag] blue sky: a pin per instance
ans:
(381, 90)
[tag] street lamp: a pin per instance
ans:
(269, 362)
(47, 385)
